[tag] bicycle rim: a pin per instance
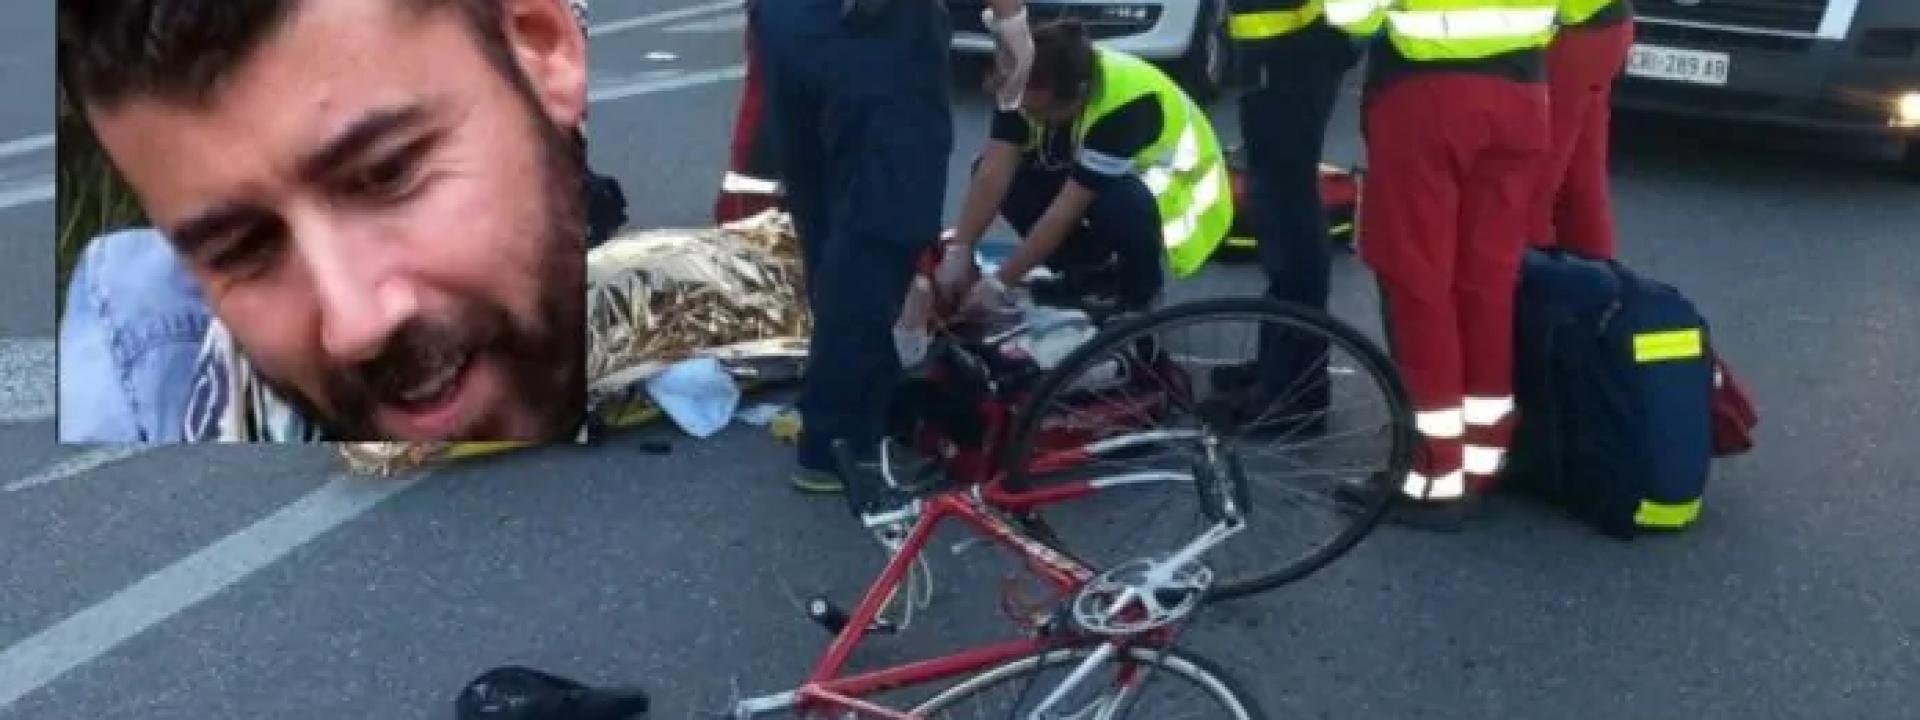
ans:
(1284, 475)
(1203, 690)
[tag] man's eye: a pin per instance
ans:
(391, 178)
(246, 253)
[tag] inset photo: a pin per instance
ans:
(300, 221)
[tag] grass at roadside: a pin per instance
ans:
(90, 198)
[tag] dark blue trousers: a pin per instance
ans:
(861, 116)
(1283, 122)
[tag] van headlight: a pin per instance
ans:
(1906, 110)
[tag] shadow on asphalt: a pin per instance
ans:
(1717, 148)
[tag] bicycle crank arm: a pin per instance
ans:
(834, 618)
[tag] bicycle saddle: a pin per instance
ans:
(521, 693)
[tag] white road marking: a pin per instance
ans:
(36, 191)
(26, 379)
(675, 82)
(661, 18)
(734, 22)
(81, 464)
(662, 56)
(22, 146)
(85, 636)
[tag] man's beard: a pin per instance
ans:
(546, 364)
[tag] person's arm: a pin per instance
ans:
(987, 191)
(1060, 219)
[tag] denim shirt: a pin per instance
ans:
(129, 339)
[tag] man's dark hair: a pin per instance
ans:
(112, 51)
(1063, 60)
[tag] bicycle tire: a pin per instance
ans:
(1227, 690)
(1338, 334)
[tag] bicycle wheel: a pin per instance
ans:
(1201, 689)
(1127, 413)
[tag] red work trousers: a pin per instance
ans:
(1573, 205)
(1451, 161)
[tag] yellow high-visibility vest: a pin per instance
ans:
(1450, 29)
(1184, 167)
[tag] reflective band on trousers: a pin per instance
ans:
(1445, 487)
(1487, 411)
(1483, 460)
(1440, 424)
(1471, 24)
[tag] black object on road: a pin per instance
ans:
(521, 693)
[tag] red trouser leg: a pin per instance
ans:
(1572, 203)
(1493, 220)
(1451, 162)
(1411, 234)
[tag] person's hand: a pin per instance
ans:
(1012, 57)
(989, 296)
(955, 269)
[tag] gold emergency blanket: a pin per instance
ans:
(656, 297)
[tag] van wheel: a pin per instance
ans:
(1208, 64)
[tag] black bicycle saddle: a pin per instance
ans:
(521, 693)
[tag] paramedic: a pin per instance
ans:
(1455, 121)
(856, 92)
(1299, 62)
(1572, 204)
(1106, 170)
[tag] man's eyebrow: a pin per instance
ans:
(191, 235)
(358, 137)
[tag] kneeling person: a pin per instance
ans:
(1108, 171)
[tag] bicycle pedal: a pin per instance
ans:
(834, 618)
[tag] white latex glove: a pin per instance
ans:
(990, 296)
(911, 334)
(1013, 56)
(956, 267)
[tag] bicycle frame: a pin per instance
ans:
(825, 689)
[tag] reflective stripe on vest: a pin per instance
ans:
(1184, 168)
(1574, 12)
(1264, 24)
(1450, 29)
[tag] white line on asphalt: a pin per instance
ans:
(26, 145)
(26, 379)
(38, 191)
(80, 464)
(658, 18)
(731, 22)
(85, 636)
(675, 82)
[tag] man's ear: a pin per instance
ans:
(551, 48)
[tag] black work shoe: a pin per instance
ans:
(1447, 516)
(1234, 378)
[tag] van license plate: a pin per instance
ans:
(1691, 66)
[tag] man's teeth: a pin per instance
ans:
(433, 386)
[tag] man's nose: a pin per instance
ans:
(361, 298)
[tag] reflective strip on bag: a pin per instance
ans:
(1667, 515)
(1667, 345)
(1272, 23)
(1479, 24)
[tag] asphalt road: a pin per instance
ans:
(251, 582)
